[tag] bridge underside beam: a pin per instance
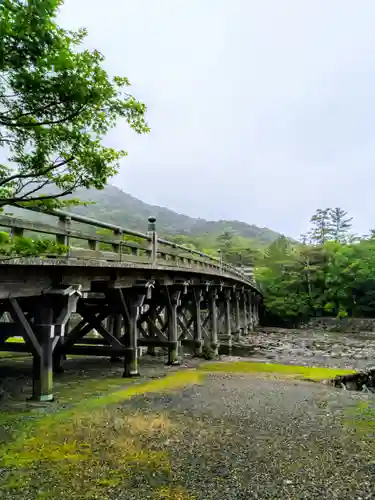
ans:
(166, 314)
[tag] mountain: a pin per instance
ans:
(114, 206)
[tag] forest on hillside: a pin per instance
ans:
(330, 271)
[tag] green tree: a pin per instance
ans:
(332, 279)
(56, 105)
(321, 228)
(280, 275)
(340, 224)
(225, 240)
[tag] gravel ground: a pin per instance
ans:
(243, 437)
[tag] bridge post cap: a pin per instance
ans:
(151, 223)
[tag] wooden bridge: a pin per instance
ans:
(133, 289)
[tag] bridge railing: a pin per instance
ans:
(84, 238)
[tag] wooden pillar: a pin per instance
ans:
(221, 325)
(57, 355)
(245, 312)
(213, 323)
(251, 312)
(238, 315)
(43, 359)
(134, 302)
(173, 344)
(108, 323)
(151, 333)
(63, 307)
(151, 232)
(116, 327)
(197, 298)
(256, 310)
(227, 317)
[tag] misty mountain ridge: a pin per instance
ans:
(117, 207)
(114, 206)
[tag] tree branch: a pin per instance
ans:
(15, 201)
(40, 174)
(39, 110)
(37, 188)
(39, 124)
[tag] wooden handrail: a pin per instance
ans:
(158, 250)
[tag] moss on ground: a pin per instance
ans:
(18, 340)
(95, 442)
(361, 421)
(5, 354)
(88, 437)
(294, 371)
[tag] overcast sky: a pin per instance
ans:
(261, 111)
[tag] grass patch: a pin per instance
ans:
(18, 340)
(301, 372)
(361, 419)
(7, 355)
(96, 448)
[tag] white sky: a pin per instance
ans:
(261, 111)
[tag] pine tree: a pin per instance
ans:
(321, 230)
(340, 224)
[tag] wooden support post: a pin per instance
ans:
(197, 298)
(64, 304)
(116, 247)
(116, 326)
(151, 330)
(245, 312)
(151, 232)
(227, 318)
(57, 355)
(134, 304)
(40, 340)
(16, 232)
(213, 323)
(43, 361)
(174, 344)
(238, 317)
(108, 323)
(256, 310)
(64, 224)
(251, 312)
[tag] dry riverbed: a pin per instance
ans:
(208, 430)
